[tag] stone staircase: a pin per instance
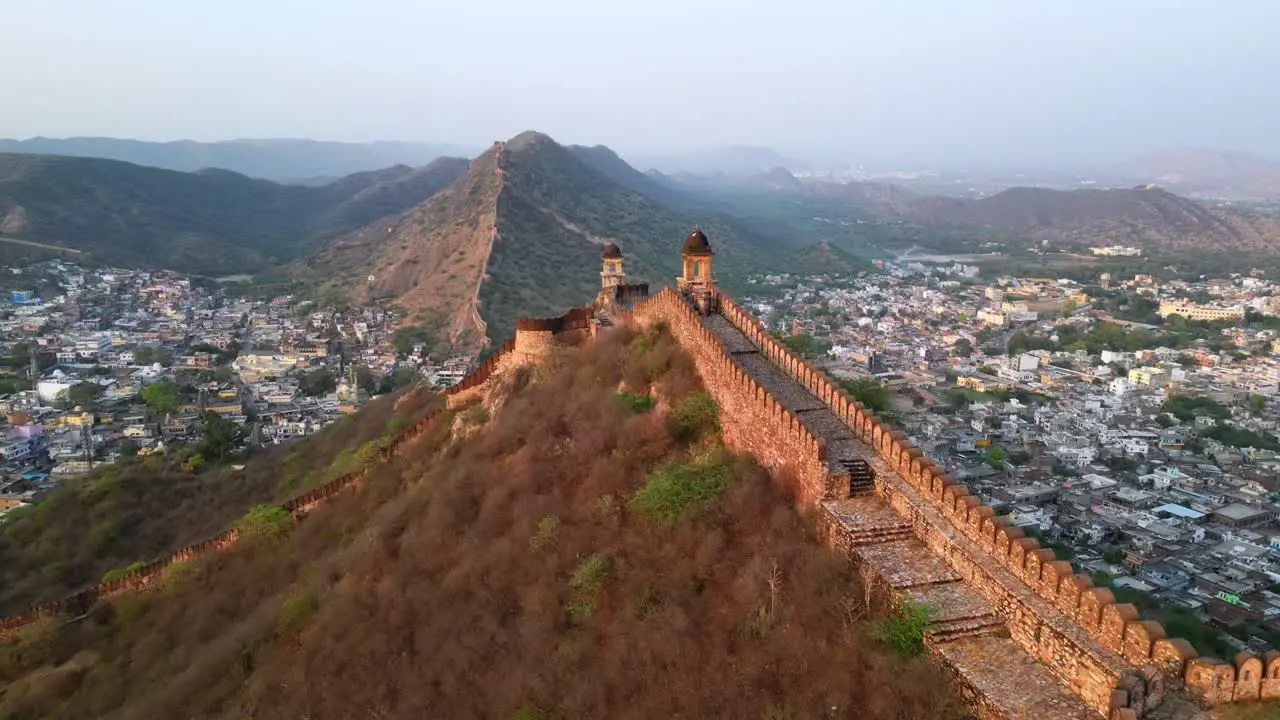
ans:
(862, 479)
(984, 625)
(964, 630)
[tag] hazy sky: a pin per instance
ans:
(946, 80)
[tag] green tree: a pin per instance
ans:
(162, 397)
(219, 436)
(149, 355)
(317, 382)
(83, 394)
(807, 346)
(995, 457)
(963, 348)
(870, 392)
(408, 336)
(1257, 403)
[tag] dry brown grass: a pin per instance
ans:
(444, 589)
(146, 508)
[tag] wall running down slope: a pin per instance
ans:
(1117, 663)
(795, 420)
(535, 339)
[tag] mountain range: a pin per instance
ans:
(282, 160)
(211, 221)
(1145, 216)
(462, 247)
(1209, 173)
(521, 233)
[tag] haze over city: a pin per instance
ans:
(994, 81)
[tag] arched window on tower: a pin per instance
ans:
(697, 268)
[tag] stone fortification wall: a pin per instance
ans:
(534, 341)
(476, 384)
(1053, 612)
(751, 419)
(536, 336)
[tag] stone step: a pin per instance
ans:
(959, 628)
(999, 672)
(864, 487)
(880, 535)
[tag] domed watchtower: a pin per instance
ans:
(696, 280)
(611, 274)
(697, 262)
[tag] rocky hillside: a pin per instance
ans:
(521, 234)
(1208, 173)
(211, 221)
(568, 552)
(1146, 217)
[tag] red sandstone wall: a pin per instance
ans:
(1141, 643)
(751, 419)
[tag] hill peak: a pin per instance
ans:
(530, 140)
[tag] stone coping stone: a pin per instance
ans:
(953, 601)
(1006, 580)
(905, 564)
(793, 396)
(732, 338)
(1005, 676)
(865, 513)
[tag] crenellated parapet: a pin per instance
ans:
(1116, 659)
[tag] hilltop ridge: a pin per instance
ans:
(210, 221)
(520, 234)
(578, 601)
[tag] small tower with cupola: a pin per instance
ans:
(697, 261)
(611, 272)
(696, 279)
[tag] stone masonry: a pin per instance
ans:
(1027, 637)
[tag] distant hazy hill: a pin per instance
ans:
(1146, 217)
(521, 234)
(284, 160)
(210, 221)
(730, 160)
(1230, 175)
(823, 257)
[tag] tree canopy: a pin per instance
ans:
(162, 397)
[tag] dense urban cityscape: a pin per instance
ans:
(1131, 424)
(107, 363)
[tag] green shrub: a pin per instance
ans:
(295, 612)
(904, 632)
(266, 521)
(530, 712)
(591, 573)
(635, 403)
(476, 415)
(695, 416)
(548, 530)
(581, 609)
(118, 573)
(678, 486)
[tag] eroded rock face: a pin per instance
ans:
(14, 220)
